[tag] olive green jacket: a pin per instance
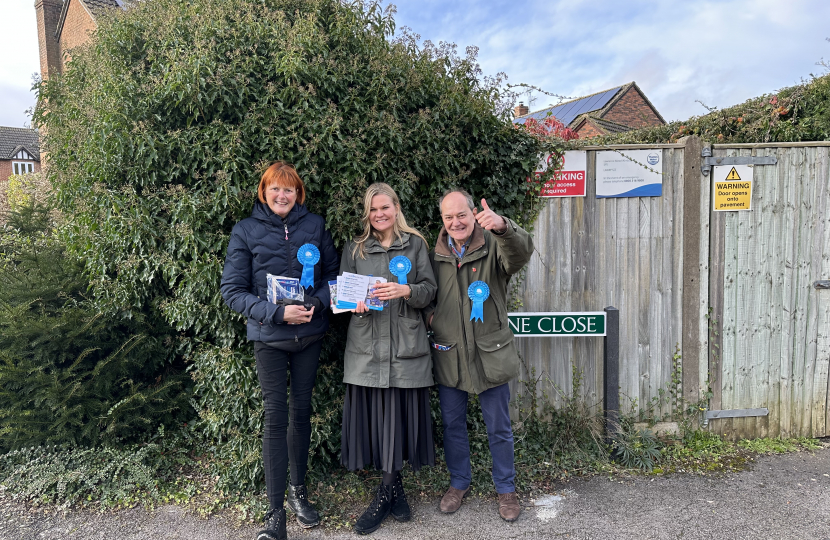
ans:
(389, 348)
(482, 355)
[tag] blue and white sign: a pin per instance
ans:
(629, 173)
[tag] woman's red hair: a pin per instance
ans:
(283, 174)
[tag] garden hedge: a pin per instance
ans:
(159, 130)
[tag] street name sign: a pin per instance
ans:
(561, 324)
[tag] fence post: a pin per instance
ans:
(690, 345)
(611, 371)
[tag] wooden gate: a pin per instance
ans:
(770, 345)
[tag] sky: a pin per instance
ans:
(678, 52)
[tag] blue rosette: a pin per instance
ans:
(308, 255)
(400, 267)
(478, 291)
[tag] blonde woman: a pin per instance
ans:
(388, 367)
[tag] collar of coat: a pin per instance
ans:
(442, 246)
(373, 245)
(264, 213)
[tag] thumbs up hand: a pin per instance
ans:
(489, 220)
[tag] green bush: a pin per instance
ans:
(69, 374)
(796, 113)
(159, 130)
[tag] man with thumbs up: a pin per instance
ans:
(473, 351)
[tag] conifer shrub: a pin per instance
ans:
(161, 127)
(69, 374)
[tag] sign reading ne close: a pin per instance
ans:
(586, 323)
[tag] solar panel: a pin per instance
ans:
(566, 112)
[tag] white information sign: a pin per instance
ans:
(619, 176)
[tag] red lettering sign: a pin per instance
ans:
(567, 184)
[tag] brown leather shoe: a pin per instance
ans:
(451, 501)
(509, 508)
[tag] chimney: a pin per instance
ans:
(521, 109)
(48, 15)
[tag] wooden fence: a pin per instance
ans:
(732, 292)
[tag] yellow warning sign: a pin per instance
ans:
(733, 175)
(732, 188)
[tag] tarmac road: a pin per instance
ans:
(786, 496)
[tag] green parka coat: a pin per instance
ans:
(481, 355)
(390, 348)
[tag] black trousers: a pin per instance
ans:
(287, 431)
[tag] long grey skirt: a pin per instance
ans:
(385, 426)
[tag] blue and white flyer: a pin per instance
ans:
(629, 173)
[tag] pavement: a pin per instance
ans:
(779, 497)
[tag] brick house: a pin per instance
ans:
(611, 111)
(19, 152)
(63, 25)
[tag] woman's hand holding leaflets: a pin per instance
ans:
(297, 314)
(390, 290)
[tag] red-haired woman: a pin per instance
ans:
(285, 337)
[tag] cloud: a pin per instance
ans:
(21, 59)
(720, 52)
(16, 101)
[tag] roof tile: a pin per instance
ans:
(11, 138)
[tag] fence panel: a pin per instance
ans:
(622, 252)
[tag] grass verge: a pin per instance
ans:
(170, 471)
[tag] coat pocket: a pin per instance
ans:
(499, 356)
(445, 365)
(412, 338)
(359, 339)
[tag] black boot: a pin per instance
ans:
(400, 507)
(297, 501)
(377, 511)
(274, 526)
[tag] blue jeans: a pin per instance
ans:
(499, 433)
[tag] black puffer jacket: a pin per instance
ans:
(258, 247)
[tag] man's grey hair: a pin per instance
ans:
(463, 192)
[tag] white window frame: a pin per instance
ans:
(23, 167)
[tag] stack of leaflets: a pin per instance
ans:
(352, 288)
(283, 288)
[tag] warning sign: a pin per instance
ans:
(570, 181)
(732, 188)
(733, 175)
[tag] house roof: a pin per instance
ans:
(93, 7)
(595, 105)
(606, 125)
(567, 112)
(12, 140)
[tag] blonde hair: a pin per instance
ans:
(398, 227)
